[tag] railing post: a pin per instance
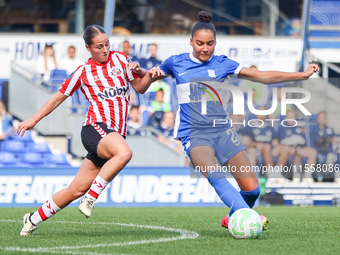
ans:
(325, 71)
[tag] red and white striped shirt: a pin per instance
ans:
(106, 88)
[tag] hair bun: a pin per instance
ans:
(204, 16)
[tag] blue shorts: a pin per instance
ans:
(226, 144)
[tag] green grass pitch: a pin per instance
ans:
(292, 230)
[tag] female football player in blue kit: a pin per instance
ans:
(201, 141)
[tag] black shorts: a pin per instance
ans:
(90, 136)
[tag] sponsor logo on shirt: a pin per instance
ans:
(110, 93)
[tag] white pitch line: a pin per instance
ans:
(184, 234)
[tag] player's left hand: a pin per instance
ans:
(155, 72)
(311, 69)
(134, 67)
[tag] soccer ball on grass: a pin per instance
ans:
(245, 223)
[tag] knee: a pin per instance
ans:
(126, 155)
(313, 152)
(287, 150)
(267, 147)
(251, 184)
(254, 184)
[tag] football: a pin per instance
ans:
(245, 223)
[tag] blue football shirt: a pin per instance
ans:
(188, 72)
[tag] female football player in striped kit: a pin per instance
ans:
(104, 81)
(201, 140)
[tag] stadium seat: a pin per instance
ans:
(57, 159)
(14, 147)
(34, 159)
(27, 137)
(146, 118)
(155, 119)
(39, 148)
(57, 76)
(8, 158)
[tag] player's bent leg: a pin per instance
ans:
(247, 181)
(81, 183)
(244, 174)
(204, 158)
(114, 148)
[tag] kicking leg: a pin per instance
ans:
(81, 183)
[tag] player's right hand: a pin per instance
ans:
(25, 125)
(155, 72)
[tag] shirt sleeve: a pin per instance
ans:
(167, 66)
(72, 83)
(231, 66)
(129, 75)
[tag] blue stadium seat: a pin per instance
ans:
(57, 159)
(57, 76)
(14, 147)
(34, 159)
(27, 137)
(155, 119)
(39, 148)
(9, 158)
(146, 117)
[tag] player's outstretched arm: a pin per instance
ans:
(270, 77)
(46, 109)
(141, 85)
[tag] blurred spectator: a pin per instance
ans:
(250, 115)
(323, 136)
(134, 122)
(157, 85)
(71, 62)
(245, 134)
(263, 133)
(294, 137)
(46, 63)
(126, 49)
(326, 143)
(6, 129)
(262, 92)
(167, 129)
(152, 61)
(158, 104)
(277, 111)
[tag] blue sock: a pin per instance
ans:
(249, 196)
(228, 194)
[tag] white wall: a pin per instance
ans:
(267, 53)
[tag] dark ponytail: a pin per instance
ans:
(204, 23)
(91, 32)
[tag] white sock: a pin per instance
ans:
(96, 188)
(46, 211)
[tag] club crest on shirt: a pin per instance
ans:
(211, 73)
(115, 71)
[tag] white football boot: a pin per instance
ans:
(29, 227)
(86, 205)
